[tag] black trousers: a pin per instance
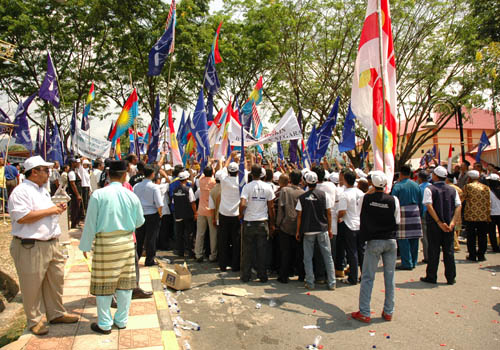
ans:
(229, 242)
(347, 243)
(85, 197)
(492, 232)
(74, 206)
(438, 240)
(146, 236)
(289, 257)
(477, 230)
(166, 233)
(184, 236)
(254, 240)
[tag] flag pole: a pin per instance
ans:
(3, 175)
(382, 70)
(167, 104)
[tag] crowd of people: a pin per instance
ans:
(324, 223)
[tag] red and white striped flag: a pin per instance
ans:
(171, 16)
(449, 159)
(367, 92)
(255, 117)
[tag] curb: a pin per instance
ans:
(168, 338)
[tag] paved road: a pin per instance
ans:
(463, 316)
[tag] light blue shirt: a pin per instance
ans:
(112, 208)
(149, 195)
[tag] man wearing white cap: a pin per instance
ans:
(35, 247)
(380, 216)
(443, 210)
(83, 172)
(185, 215)
(314, 224)
(477, 215)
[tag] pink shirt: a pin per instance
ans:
(206, 184)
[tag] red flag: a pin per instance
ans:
(215, 46)
(449, 159)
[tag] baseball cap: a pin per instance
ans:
(262, 173)
(85, 161)
(334, 177)
(473, 174)
(35, 161)
(379, 179)
(440, 171)
(276, 176)
(493, 177)
(168, 167)
(232, 167)
(360, 173)
(183, 175)
(311, 178)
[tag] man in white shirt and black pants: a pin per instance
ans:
(35, 247)
(257, 211)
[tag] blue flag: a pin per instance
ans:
(199, 128)
(281, 155)
(483, 143)
(348, 134)
(21, 133)
(85, 123)
(325, 132)
(180, 129)
(131, 139)
(54, 147)
(241, 175)
(159, 52)
(311, 144)
(49, 91)
(155, 131)
(211, 78)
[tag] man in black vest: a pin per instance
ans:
(185, 215)
(379, 220)
(75, 192)
(443, 210)
(314, 223)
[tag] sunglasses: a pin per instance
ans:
(45, 170)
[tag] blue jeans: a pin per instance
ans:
(104, 319)
(387, 249)
(408, 248)
(326, 252)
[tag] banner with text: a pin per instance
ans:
(91, 147)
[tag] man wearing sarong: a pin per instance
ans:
(410, 228)
(113, 214)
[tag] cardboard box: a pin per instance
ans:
(178, 278)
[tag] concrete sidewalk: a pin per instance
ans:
(144, 329)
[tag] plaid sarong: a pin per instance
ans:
(113, 263)
(411, 224)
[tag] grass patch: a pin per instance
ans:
(15, 329)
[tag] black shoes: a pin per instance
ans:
(139, 293)
(481, 258)
(427, 280)
(96, 329)
(470, 258)
(451, 282)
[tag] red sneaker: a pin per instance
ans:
(360, 317)
(387, 317)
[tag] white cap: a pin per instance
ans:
(35, 161)
(86, 161)
(473, 174)
(311, 178)
(276, 176)
(183, 175)
(218, 175)
(360, 173)
(232, 167)
(262, 173)
(304, 171)
(493, 177)
(379, 179)
(168, 167)
(440, 171)
(334, 177)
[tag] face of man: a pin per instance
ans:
(478, 167)
(40, 175)
(56, 165)
(2, 161)
(464, 167)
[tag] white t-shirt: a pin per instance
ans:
(230, 195)
(257, 193)
(94, 179)
(71, 176)
(28, 197)
(164, 194)
(428, 197)
(350, 201)
(495, 204)
(84, 176)
(329, 188)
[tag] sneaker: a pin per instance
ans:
(387, 317)
(360, 317)
(308, 286)
(331, 287)
(40, 329)
(321, 281)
